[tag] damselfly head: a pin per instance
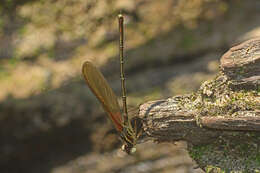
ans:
(129, 149)
(128, 137)
(130, 134)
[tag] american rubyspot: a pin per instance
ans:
(129, 128)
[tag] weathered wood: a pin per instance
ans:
(243, 123)
(223, 115)
(217, 104)
(242, 62)
(163, 120)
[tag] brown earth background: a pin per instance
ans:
(49, 120)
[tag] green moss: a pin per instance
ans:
(198, 151)
(225, 155)
(216, 97)
(257, 158)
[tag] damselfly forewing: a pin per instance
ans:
(129, 128)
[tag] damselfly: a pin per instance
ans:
(129, 128)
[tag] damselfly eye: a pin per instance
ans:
(123, 147)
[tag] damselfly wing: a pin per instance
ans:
(100, 87)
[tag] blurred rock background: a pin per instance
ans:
(49, 120)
